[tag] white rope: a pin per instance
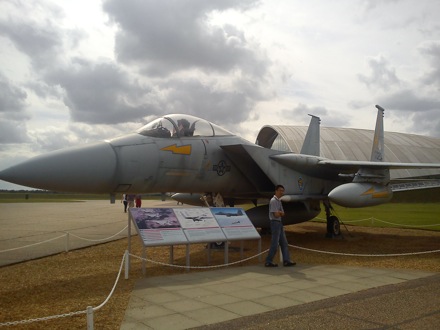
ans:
(365, 255)
(349, 221)
(114, 286)
(390, 223)
(26, 246)
(198, 267)
(101, 239)
(64, 235)
(396, 224)
(46, 318)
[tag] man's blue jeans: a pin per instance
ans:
(278, 239)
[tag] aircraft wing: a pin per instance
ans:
(355, 165)
(423, 184)
(328, 168)
(242, 158)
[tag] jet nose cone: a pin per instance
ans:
(88, 169)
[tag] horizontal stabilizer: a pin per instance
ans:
(415, 185)
(351, 165)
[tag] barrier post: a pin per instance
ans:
(259, 250)
(67, 241)
(127, 264)
(226, 252)
(89, 318)
(144, 261)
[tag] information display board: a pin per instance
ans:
(235, 223)
(168, 226)
(199, 225)
(158, 226)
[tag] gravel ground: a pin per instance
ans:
(71, 281)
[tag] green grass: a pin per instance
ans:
(415, 215)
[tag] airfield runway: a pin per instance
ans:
(251, 297)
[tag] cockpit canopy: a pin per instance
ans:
(178, 125)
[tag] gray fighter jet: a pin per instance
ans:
(194, 157)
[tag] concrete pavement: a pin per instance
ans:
(25, 225)
(256, 297)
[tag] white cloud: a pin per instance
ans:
(74, 71)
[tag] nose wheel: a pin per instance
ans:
(333, 224)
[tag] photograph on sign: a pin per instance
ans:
(156, 218)
(195, 217)
(199, 225)
(158, 226)
(235, 223)
(231, 216)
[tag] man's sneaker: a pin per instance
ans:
(289, 263)
(270, 264)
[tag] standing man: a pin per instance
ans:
(276, 212)
(124, 200)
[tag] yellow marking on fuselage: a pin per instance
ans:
(182, 150)
(374, 194)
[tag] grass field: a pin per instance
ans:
(413, 215)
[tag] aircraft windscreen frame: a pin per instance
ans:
(181, 125)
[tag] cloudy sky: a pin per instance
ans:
(73, 72)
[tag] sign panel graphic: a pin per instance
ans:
(158, 226)
(235, 223)
(199, 225)
(168, 226)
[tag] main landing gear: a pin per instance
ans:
(333, 225)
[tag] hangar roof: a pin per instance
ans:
(356, 144)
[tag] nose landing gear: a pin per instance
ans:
(333, 224)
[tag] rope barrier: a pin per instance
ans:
(396, 224)
(64, 235)
(99, 240)
(365, 255)
(26, 246)
(46, 318)
(373, 219)
(114, 286)
(197, 267)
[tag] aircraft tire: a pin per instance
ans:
(333, 226)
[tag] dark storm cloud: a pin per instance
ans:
(218, 105)
(382, 76)
(12, 112)
(12, 99)
(165, 36)
(40, 42)
(12, 131)
(432, 51)
(102, 93)
(422, 112)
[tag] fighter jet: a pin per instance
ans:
(194, 157)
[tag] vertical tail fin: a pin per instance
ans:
(311, 145)
(377, 153)
(381, 176)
